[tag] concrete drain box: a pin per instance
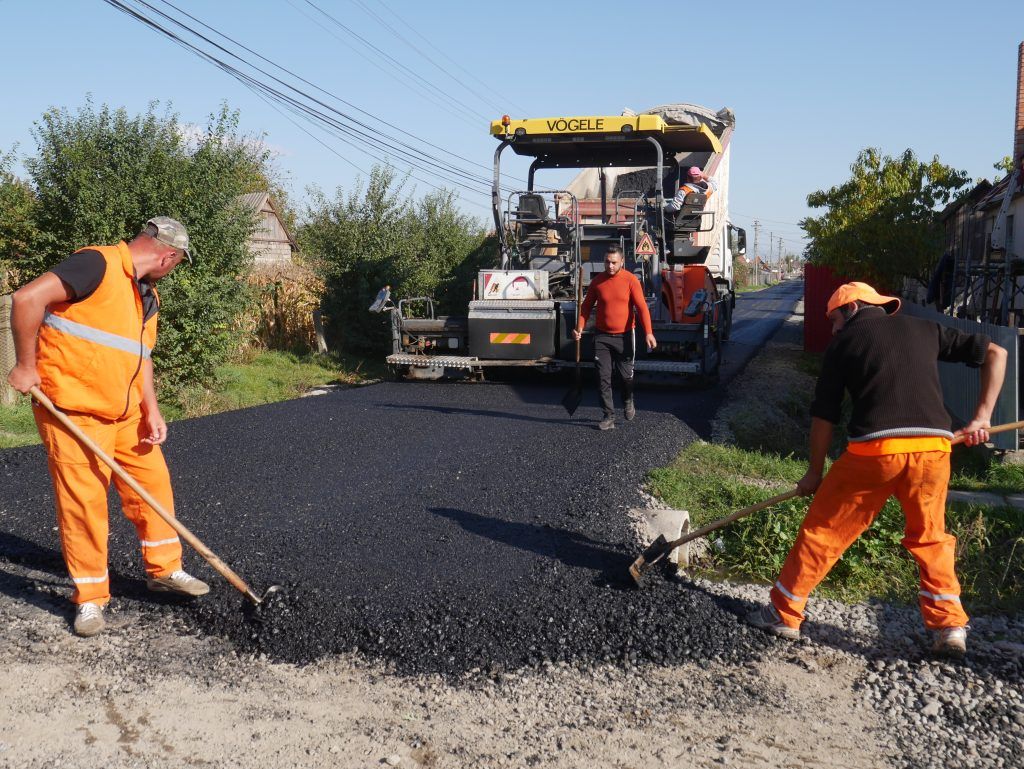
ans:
(512, 329)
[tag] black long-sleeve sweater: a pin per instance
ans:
(889, 364)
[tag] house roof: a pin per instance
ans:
(261, 201)
(995, 196)
(975, 194)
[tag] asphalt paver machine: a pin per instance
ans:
(524, 309)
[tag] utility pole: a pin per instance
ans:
(771, 254)
(757, 230)
(780, 258)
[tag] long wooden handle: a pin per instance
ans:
(579, 301)
(993, 430)
(224, 570)
(698, 533)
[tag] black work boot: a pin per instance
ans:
(628, 406)
(608, 423)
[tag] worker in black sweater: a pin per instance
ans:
(899, 444)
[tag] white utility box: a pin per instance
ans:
(514, 284)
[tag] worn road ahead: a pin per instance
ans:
(438, 527)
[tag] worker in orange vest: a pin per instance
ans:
(84, 333)
(899, 445)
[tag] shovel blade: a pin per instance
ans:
(572, 400)
(654, 553)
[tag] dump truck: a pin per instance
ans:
(552, 242)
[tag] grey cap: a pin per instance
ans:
(171, 233)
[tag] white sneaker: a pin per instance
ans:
(950, 641)
(179, 582)
(767, 619)
(89, 620)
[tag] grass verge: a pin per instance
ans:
(711, 481)
(264, 377)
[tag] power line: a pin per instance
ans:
(414, 47)
(459, 104)
(426, 40)
(311, 84)
(351, 132)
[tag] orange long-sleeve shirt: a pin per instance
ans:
(616, 299)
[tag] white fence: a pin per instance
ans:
(961, 385)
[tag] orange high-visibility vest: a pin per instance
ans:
(91, 352)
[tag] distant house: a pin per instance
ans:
(981, 275)
(271, 244)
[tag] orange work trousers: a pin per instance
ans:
(850, 496)
(80, 483)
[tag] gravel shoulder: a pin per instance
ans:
(859, 691)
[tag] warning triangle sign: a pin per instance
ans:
(646, 246)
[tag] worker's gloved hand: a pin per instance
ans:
(808, 484)
(23, 378)
(975, 432)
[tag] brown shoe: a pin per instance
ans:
(89, 620)
(767, 619)
(608, 423)
(179, 582)
(629, 410)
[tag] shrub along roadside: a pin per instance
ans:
(712, 480)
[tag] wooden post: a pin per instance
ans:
(318, 329)
(7, 394)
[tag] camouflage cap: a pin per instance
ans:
(171, 233)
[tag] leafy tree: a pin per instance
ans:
(741, 270)
(100, 173)
(18, 233)
(377, 235)
(881, 225)
(1005, 165)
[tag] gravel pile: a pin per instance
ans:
(936, 713)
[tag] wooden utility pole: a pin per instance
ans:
(8, 396)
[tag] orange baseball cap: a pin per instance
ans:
(861, 292)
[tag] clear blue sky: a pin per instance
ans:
(811, 83)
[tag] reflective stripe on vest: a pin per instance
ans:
(96, 336)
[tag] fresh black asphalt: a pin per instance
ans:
(435, 527)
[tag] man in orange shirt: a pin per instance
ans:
(620, 299)
(83, 334)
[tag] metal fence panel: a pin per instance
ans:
(961, 385)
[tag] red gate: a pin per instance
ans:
(819, 284)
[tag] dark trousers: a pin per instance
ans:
(616, 351)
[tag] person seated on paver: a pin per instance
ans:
(696, 181)
(83, 333)
(899, 444)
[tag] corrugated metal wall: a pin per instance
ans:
(819, 284)
(961, 385)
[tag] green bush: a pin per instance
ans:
(99, 174)
(377, 235)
